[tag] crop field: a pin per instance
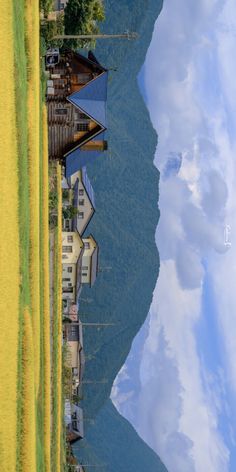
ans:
(25, 359)
(10, 258)
(57, 439)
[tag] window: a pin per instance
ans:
(62, 6)
(81, 191)
(81, 116)
(61, 111)
(84, 77)
(86, 245)
(66, 248)
(81, 202)
(80, 215)
(70, 239)
(82, 126)
(69, 285)
(64, 256)
(84, 274)
(67, 224)
(67, 289)
(66, 280)
(74, 425)
(69, 269)
(84, 267)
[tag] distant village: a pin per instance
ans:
(76, 103)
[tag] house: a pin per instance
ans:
(76, 103)
(76, 360)
(89, 261)
(79, 265)
(79, 194)
(72, 253)
(74, 421)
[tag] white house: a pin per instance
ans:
(89, 268)
(72, 252)
(79, 193)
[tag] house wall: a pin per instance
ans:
(72, 245)
(68, 275)
(85, 209)
(86, 263)
(89, 263)
(73, 354)
(64, 120)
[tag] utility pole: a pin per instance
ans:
(126, 35)
(98, 324)
(86, 465)
(104, 381)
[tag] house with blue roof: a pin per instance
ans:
(76, 102)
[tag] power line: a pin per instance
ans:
(126, 35)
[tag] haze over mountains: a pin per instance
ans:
(125, 182)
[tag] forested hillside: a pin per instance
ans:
(126, 190)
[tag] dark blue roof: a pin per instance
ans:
(78, 158)
(91, 98)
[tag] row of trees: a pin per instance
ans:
(79, 17)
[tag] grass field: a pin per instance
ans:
(25, 364)
(57, 437)
(45, 325)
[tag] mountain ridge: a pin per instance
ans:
(125, 182)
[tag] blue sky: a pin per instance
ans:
(181, 372)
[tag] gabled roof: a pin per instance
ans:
(81, 225)
(90, 60)
(92, 97)
(79, 158)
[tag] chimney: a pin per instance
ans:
(95, 146)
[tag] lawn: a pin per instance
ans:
(25, 364)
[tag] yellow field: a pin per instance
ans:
(46, 307)
(9, 245)
(28, 439)
(32, 43)
(25, 352)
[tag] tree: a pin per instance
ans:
(69, 212)
(49, 29)
(81, 17)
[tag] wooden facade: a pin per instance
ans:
(68, 126)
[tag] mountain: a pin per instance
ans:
(125, 182)
(130, 453)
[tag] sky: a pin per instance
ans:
(180, 375)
